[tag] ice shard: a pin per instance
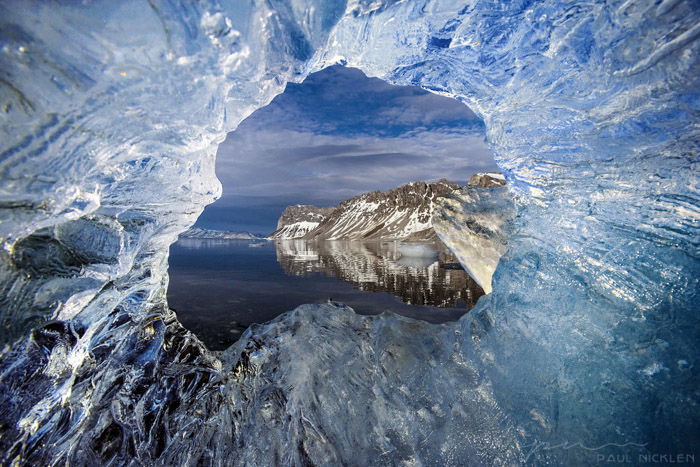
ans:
(587, 345)
(475, 224)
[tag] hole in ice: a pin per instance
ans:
(338, 140)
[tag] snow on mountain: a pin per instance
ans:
(298, 220)
(401, 213)
(196, 232)
(294, 230)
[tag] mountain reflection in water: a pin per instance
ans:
(220, 287)
(379, 267)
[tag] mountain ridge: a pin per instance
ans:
(197, 232)
(401, 213)
(298, 220)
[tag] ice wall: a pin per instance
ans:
(111, 112)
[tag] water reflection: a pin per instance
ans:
(220, 287)
(380, 267)
(209, 243)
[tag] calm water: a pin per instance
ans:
(218, 288)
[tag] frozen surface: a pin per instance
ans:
(475, 224)
(110, 122)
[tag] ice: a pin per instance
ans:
(417, 250)
(475, 224)
(416, 255)
(417, 262)
(111, 115)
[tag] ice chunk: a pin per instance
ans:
(420, 250)
(417, 262)
(406, 392)
(112, 119)
(475, 224)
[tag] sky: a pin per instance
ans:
(337, 135)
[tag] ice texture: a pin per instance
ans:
(587, 345)
(475, 224)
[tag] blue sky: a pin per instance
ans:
(334, 136)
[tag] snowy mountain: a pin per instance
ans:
(298, 220)
(294, 230)
(401, 213)
(196, 232)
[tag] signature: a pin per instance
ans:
(539, 446)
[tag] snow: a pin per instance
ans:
(363, 216)
(110, 127)
(295, 230)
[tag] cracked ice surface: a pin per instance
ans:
(111, 117)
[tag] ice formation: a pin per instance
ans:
(111, 114)
(475, 224)
(417, 250)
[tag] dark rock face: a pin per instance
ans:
(395, 214)
(487, 180)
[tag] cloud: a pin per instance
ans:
(282, 163)
(341, 100)
(370, 161)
